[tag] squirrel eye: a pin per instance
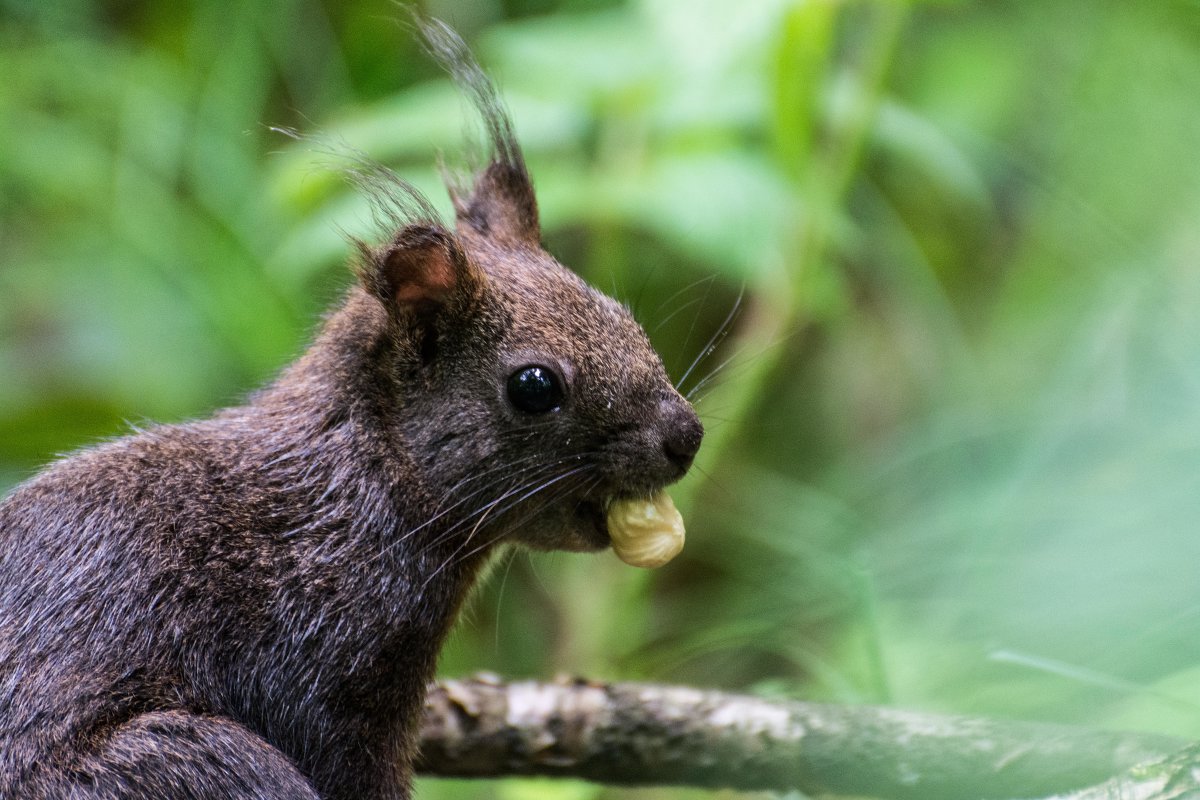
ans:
(534, 389)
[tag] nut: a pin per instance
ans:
(645, 533)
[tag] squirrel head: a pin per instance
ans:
(527, 399)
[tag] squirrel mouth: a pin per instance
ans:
(593, 521)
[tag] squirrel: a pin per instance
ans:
(251, 605)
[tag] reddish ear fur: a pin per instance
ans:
(422, 268)
(421, 274)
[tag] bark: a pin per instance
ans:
(642, 734)
(1174, 778)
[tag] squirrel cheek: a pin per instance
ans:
(646, 533)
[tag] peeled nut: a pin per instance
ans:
(645, 533)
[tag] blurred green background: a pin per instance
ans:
(954, 432)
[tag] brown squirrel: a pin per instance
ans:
(250, 606)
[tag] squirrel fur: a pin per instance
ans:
(250, 606)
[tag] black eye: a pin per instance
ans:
(534, 389)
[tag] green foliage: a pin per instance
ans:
(954, 433)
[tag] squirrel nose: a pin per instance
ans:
(682, 433)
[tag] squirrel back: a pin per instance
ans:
(277, 580)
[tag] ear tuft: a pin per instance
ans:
(501, 204)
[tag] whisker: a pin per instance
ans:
(718, 337)
(539, 488)
(548, 484)
(515, 487)
(484, 489)
(675, 313)
(539, 469)
(497, 468)
(745, 363)
(563, 491)
(512, 556)
(708, 477)
(684, 290)
(692, 328)
(454, 489)
(486, 508)
(707, 379)
(636, 301)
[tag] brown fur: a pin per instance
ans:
(251, 605)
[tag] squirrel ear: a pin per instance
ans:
(502, 204)
(422, 269)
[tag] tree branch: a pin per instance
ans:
(1176, 777)
(663, 735)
